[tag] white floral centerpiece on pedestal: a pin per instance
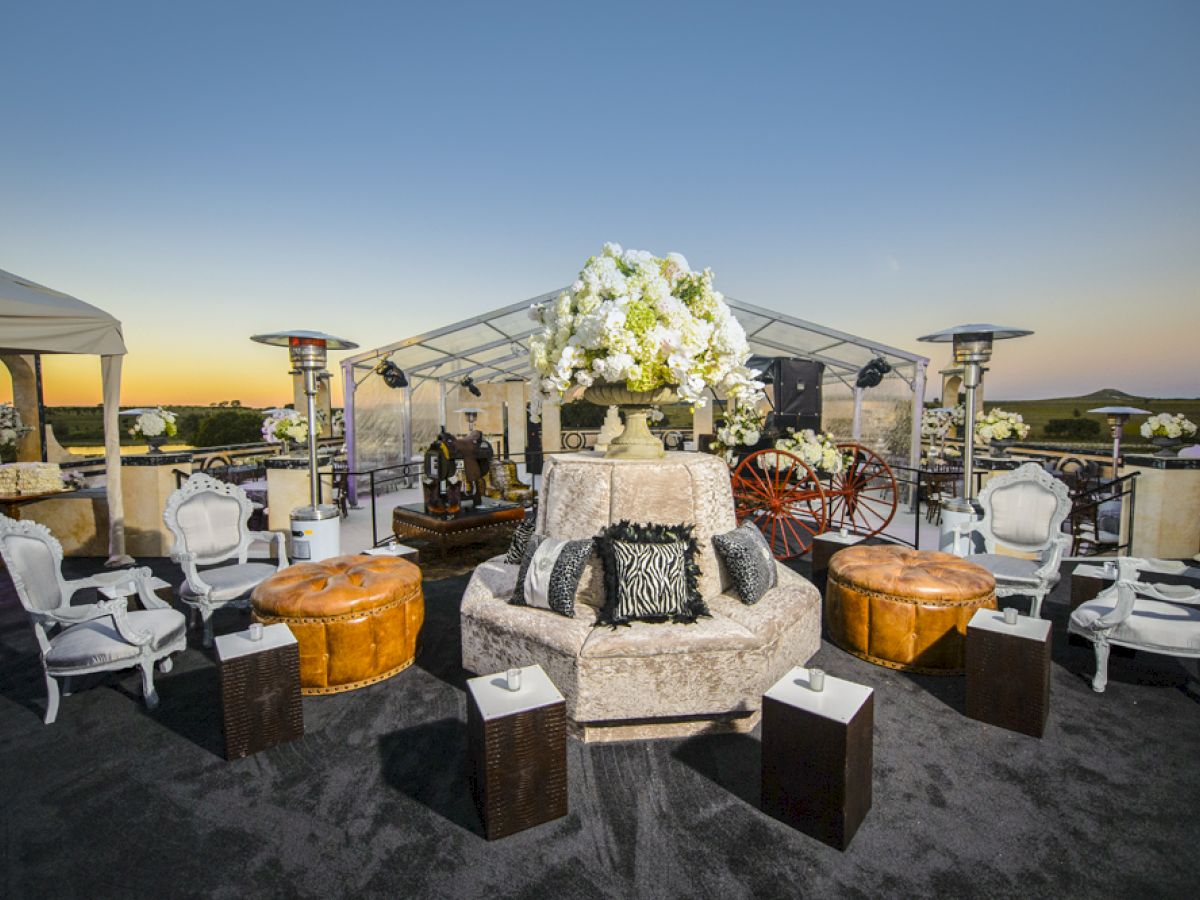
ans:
(743, 426)
(156, 426)
(635, 330)
(999, 428)
(286, 427)
(1167, 431)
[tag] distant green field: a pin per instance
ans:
(83, 426)
(1037, 413)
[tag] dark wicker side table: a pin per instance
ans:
(1008, 672)
(260, 690)
(517, 751)
(818, 756)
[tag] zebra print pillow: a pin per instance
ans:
(516, 549)
(650, 574)
(749, 560)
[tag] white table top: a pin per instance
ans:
(1026, 627)
(231, 646)
(129, 589)
(840, 701)
(392, 550)
(495, 700)
(838, 538)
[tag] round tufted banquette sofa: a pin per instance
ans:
(644, 680)
(356, 618)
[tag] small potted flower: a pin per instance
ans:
(156, 425)
(11, 430)
(1167, 431)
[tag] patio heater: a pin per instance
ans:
(1117, 417)
(972, 349)
(315, 528)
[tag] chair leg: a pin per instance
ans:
(1035, 604)
(1100, 682)
(206, 617)
(66, 686)
(51, 699)
(165, 665)
(149, 694)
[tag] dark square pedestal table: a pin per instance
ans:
(260, 689)
(818, 755)
(1008, 671)
(517, 751)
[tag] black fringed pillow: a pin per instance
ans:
(516, 548)
(550, 573)
(650, 574)
(749, 561)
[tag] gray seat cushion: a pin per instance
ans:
(1153, 624)
(98, 643)
(1007, 567)
(231, 582)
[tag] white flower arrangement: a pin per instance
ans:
(1166, 425)
(742, 426)
(153, 423)
(287, 425)
(655, 415)
(999, 425)
(647, 321)
(818, 450)
(11, 427)
(937, 423)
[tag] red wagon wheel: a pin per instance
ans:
(781, 495)
(863, 495)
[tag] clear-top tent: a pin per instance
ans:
(386, 425)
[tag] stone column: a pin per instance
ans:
(551, 428)
(146, 482)
(22, 366)
(1166, 510)
(515, 399)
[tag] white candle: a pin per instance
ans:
(816, 679)
(256, 631)
(1010, 615)
(514, 679)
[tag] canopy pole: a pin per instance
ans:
(348, 429)
(918, 409)
(856, 427)
(110, 373)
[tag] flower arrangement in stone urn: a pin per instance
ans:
(635, 330)
(156, 426)
(1167, 431)
(285, 426)
(999, 428)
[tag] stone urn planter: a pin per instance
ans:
(636, 441)
(1168, 447)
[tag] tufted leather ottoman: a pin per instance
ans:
(905, 609)
(356, 618)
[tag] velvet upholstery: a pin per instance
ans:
(98, 643)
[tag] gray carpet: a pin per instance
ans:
(117, 801)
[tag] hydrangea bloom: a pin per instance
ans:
(819, 451)
(10, 425)
(1168, 426)
(646, 321)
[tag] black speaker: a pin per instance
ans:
(793, 387)
(533, 446)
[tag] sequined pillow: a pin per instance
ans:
(552, 576)
(749, 561)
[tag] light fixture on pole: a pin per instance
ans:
(1117, 417)
(972, 348)
(307, 352)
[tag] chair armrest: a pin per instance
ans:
(1053, 558)
(108, 579)
(76, 615)
(279, 538)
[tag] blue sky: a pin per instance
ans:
(207, 171)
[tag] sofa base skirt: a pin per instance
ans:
(657, 729)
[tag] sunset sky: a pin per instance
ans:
(206, 171)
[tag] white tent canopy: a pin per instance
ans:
(494, 347)
(37, 319)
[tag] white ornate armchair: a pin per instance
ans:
(209, 521)
(98, 637)
(1160, 618)
(1023, 512)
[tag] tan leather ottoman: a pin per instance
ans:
(905, 609)
(356, 618)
